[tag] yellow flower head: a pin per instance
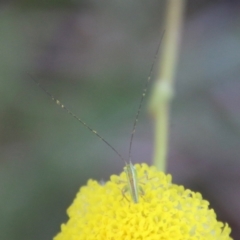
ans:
(165, 212)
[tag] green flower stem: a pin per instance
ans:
(163, 87)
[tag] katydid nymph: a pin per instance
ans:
(132, 184)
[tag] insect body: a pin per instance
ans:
(132, 185)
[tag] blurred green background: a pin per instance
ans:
(95, 56)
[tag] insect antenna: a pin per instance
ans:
(76, 117)
(141, 100)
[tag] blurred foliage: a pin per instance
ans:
(48, 4)
(95, 58)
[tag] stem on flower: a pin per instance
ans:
(163, 87)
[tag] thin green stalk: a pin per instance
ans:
(163, 87)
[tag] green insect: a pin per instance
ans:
(132, 185)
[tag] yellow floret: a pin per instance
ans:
(165, 212)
